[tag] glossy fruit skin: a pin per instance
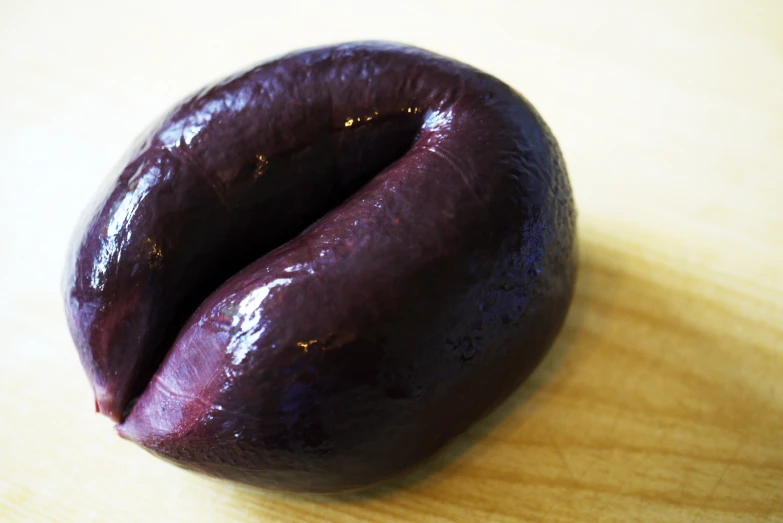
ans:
(439, 272)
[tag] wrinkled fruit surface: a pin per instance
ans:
(311, 275)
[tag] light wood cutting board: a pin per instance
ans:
(662, 399)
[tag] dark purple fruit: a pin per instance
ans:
(313, 274)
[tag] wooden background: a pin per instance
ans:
(662, 400)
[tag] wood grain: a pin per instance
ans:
(662, 399)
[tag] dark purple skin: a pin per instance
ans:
(313, 274)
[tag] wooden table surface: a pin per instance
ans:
(662, 399)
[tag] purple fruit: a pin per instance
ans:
(313, 274)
